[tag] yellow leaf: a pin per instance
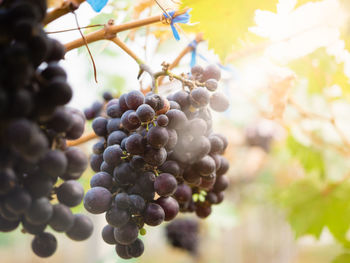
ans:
(225, 23)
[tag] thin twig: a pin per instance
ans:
(73, 29)
(87, 46)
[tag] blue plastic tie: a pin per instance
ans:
(183, 19)
(97, 5)
(193, 45)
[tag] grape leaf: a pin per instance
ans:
(311, 208)
(322, 71)
(310, 158)
(225, 23)
(343, 258)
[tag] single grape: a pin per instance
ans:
(170, 207)
(62, 218)
(97, 200)
(126, 234)
(117, 217)
(211, 84)
(108, 235)
(70, 193)
(40, 211)
(82, 228)
(219, 102)
(44, 245)
(145, 113)
(134, 99)
(165, 184)
(99, 125)
(136, 248)
(154, 214)
(157, 137)
(102, 179)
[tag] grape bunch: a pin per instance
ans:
(183, 234)
(34, 127)
(157, 156)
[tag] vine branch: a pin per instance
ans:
(65, 8)
(109, 30)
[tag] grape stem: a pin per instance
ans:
(186, 50)
(83, 139)
(65, 8)
(110, 31)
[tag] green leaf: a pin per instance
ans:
(321, 71)
(311, 206)
(343, 258)
(309, 157)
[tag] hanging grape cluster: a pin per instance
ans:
(183, 234)
(157, 156)
(34, 127)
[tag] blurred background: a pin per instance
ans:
(285, 68)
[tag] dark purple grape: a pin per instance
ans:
(114, 125)
(170, 207)
(107, 96)
(114, 110)
(8, 180)
(99, 147)
(134, 99)
(7, 225)
(221, 184)
(155, 157)
(199, 97)
(116, 137)
(99, 125)
(137, 204)
(122, 251)
(157, 137)
(205, 166)
(145, 113)
(39, 212)
(135, 144)
(117, 217)
(122, 201)
(31, 228)
(82, 228)
(217, 145)
(154, 214)
(124, 174)
(112, 155)
(177, 119)
(44, 245)
(172, 141)
(126, 234)
(54, 163)
(224, 166)
(183, 193)
(211, 72)
(77, 128)
(70, 193)
(171, 167)
(182, 98)
(203, 211)
(77, 163)
(102, 179)
(125, 121)
(96, 161)
(62, 218)
(18, 201)
(97, 200)
(162, 120)
(122, 103)
(165, 184)
(108, 235)
(136, 248)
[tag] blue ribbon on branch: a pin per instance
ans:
(183, 19)
(97, 5)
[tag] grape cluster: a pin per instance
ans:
(183, 234)
(34, 127)
(157, 156)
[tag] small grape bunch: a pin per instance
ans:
(156, 157)
(183, 234)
